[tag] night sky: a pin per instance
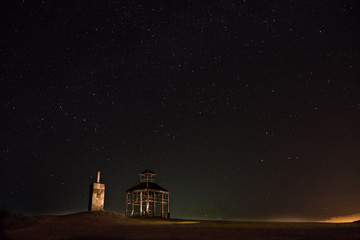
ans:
(245, 109)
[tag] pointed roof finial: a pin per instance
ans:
(147, 171)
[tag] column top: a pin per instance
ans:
(98, 177)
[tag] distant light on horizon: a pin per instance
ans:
(343, 219)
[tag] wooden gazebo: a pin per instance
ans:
(147, 198)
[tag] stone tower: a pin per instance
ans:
(97, 195)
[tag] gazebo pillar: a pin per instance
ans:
(154, 202)
(168, 205)
(147, 202)
(126, 204)
(140, 203)
(162, 204)
(132, 205)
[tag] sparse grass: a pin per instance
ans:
(107, 225)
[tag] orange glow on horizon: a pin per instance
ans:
(343, 219)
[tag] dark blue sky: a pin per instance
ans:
(245, 109)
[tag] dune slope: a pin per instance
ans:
(107, 225)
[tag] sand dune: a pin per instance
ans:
(107, 225)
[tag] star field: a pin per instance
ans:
(245, 109)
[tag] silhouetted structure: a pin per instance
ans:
(97, 195)
(147, 198)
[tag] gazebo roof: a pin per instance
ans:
(147, 185)
(147, 171)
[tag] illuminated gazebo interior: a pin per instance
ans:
(147, 198)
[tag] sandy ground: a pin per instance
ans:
(105, 225)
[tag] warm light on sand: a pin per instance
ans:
(172, 222)
(187, 222)
(288, 219)
(343, 219)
